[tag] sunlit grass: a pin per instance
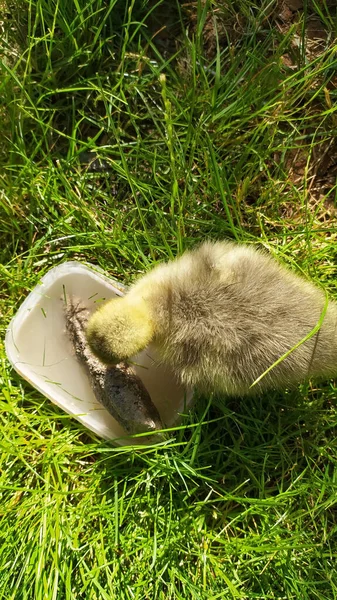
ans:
(122, 149)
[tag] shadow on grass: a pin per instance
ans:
(254, 447)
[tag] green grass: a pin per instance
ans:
(121, 147)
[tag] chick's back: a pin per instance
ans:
(224, 313)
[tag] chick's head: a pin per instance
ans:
(119, 329)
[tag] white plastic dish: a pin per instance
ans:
(38, 347)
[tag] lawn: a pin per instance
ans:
(129, 131)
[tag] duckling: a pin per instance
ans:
(220, 316)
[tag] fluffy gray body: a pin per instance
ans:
(224, 313)
(116, 387)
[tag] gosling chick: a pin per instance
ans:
(220, 316)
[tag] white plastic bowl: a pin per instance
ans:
(38, 347)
